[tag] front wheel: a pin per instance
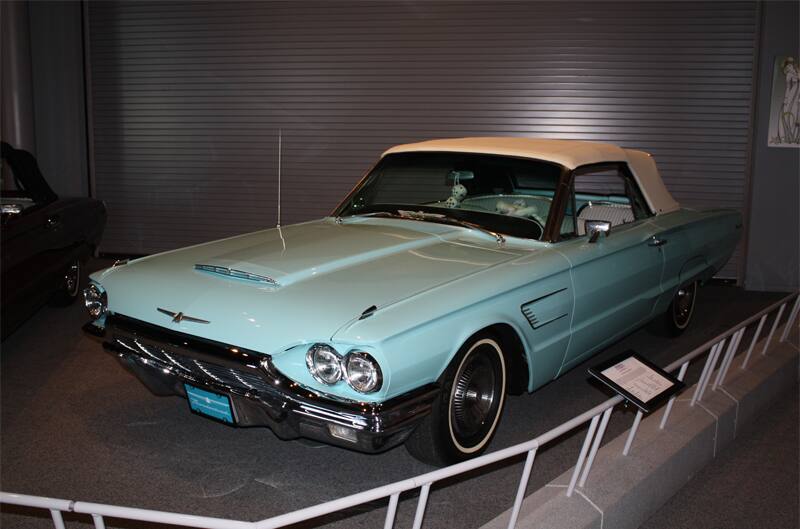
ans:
(70, 286)
(465, 416)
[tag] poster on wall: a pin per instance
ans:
(784, 117)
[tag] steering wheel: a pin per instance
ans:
(537, 219)
(539, 226)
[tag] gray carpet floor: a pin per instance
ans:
(75, 425)
(752, 483)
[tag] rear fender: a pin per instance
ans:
(695, 269)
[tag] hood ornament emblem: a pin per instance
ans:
(178, 317)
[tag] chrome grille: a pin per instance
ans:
(188, 367)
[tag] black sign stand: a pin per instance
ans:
(638, 380)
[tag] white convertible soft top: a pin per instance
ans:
(568, 153)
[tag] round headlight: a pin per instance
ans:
(362, 372)
(95, 300)
(324, 363)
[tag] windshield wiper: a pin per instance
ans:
(447, 219)
(339, 219)
(440, 218)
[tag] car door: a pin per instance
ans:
(616, 277)
(32, 254)
(28, 266)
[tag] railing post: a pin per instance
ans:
(523, 485)
(754, 341)
(772, 331)
(98, 522)
(792, 317)
(728, 358)
(582, 456)
(390, 513)
(668, 410)
(598, 438)
(712, 364)
(711, 361)
(421, 504)
(632, 433)
(58, 521)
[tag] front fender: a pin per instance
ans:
(408, 360)
(421, 355)
(420, 336)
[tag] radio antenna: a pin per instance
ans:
(280, 146)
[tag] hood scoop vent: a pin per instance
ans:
(236, 274)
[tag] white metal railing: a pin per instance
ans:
(597, 418)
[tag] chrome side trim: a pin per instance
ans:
(540, 298)
(539, 325)
(530, 315)
(236, 274)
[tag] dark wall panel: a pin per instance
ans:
(188, 98)
(773, 253)
(58, 94)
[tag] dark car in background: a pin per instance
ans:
(45, 240)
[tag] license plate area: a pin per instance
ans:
(209, 404)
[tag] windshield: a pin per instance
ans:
(20, 178)
(499, 193)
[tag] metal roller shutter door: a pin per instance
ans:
(188, 98)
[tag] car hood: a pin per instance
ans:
(325, 275)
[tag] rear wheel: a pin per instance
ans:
(680, 311)
(467, 411)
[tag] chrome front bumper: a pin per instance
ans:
(260, 395)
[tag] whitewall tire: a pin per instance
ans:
(465, 416)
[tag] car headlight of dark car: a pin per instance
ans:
(95, 300)
(357, 368)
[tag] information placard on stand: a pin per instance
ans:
(638, 380)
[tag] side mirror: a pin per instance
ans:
(596, 227)
(10, 211)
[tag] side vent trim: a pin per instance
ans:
(531, 314)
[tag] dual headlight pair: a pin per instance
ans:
(358, 368)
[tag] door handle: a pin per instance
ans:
(657, 242)
(52, 223)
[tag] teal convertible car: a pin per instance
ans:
(456, 272)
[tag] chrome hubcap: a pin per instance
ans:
(684, 303)
(474, 397)
(72, 278)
